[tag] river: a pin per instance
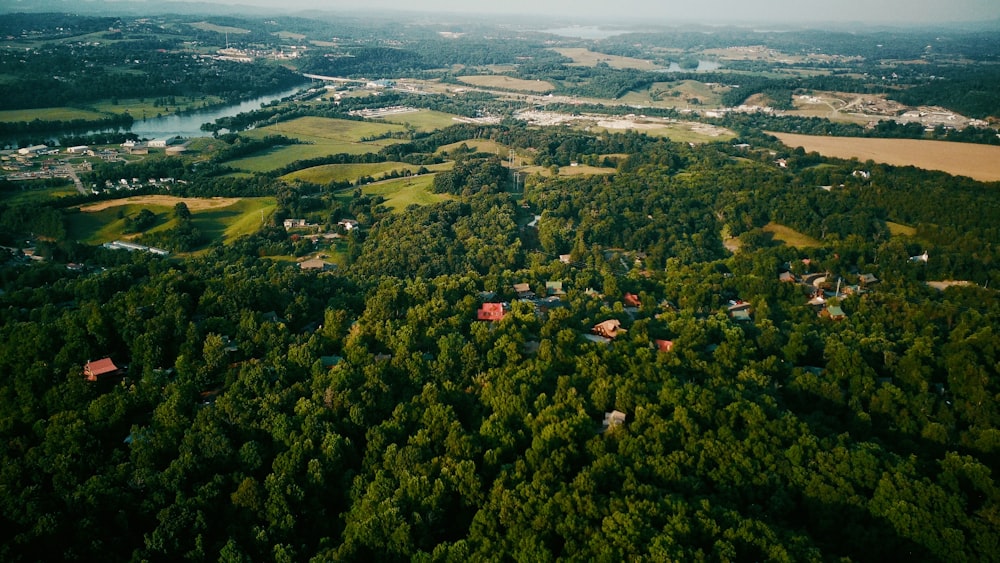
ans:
(189, 124)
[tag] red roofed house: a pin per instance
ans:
(490, 312)
(632, 300)
(95, 370)
(664, 345)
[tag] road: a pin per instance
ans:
(71, 172)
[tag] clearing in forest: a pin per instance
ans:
(585, 57)
(206, 26)
(979, 162)
(423, 120)
(790, 236)
(49, 114)
(508, 83)
(403, 192)
(352, 172)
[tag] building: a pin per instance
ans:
(94, 371)
(664, 345)
(81, 149)
(833, 312)
(32, 150)
(523, 291)
(613, 418)
(294, 223)
(165, 142)
(609, 328)
(491, 312)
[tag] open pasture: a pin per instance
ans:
(980, 162)
(402, 192)
(50, 114)
(424, 120)
(206, 26)
(218, 218)
(352, 172)
(585, 57)
(508, 83)
(791, 237)
(325, 136)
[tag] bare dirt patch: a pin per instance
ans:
(508, 83)
(193, 203)
(980, 162)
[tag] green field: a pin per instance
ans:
(49, 114)
(424, 120)
(218, 223)
(791, 237)
(899, 229)
(678, 94)
(325, 136)
(36, 195)
(352, 172)
(146, 107)
(485, 146)
(402, 192)
(206, 26)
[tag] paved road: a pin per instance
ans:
(76, 179)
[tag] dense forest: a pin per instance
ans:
(615, 353)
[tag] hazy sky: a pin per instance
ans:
(665, 11)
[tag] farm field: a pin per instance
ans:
(791, 237)
(424, 120)
(585, 57)
(980, 162)
(681, 94)
(206, 26)
(218, 218)
(352, 172)
(49, 114)
(402, 192)
(326, 136)
(484, 146)
(508, 83)
(147, 107)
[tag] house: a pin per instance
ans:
(565, 258)
(868, 279)
(609, 328)
(293, 223)
(491, 312)
(664, 345)
(833, 312)
(554, 288)
(919, 259)
(613, 418)
(348, 224)
(632, 300)
(786, 277)
(316, 265)
(80, 149)
(94, 371)
(523, 291)
(740, 311)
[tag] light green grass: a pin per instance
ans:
(49, 114)
(424, 120)
(677, 95)
(485, 146)
(225, 224)
(146, 108)
(326, 137)
(791, 237)
(206, 26)
(899, 229)
(402, 192)
(352, 172)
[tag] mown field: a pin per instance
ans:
(484, 146)
(585, 57)
(325, 136)
(980, 162)
(424, 120)
(222, 219)
(685, 94)
(147, 107)
(206, 26)
(791, 237)
(508, 83)
(402, 192)
(50, 114)
(352, 172)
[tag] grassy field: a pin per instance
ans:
(326, 136)
(402, 192)
(899, 229)
(791, 237)
(424, 120)
(352, 172)
(36, 195)
(508, 83)
(140, 108)
(289, 35)
(981, 162)
(50, 114)
(585, 57)
(682, 132)
(206, 26)
(485, 146)
(218, 218)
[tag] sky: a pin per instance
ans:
(666, 11)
